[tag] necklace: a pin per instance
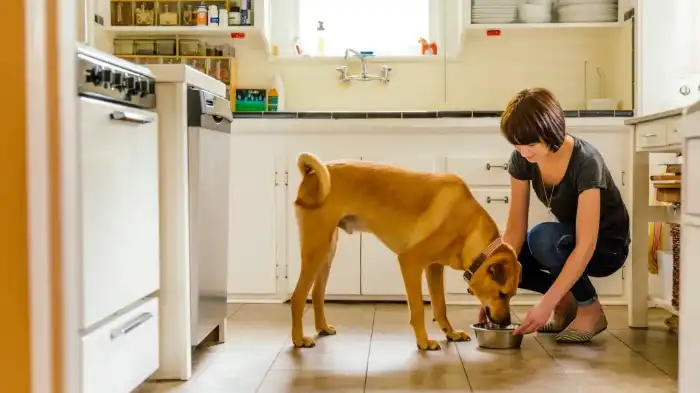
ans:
(548, 200)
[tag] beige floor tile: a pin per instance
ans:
(524, 382)
(531, 358)
(301, 381)
(431, 377)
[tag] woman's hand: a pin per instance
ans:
(536, 318)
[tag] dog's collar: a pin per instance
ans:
(476, 264)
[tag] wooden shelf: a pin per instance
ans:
(504, 26)
(199, 31)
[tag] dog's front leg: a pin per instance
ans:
(434, 275)
(411, 271)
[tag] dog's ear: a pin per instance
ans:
(498, 272)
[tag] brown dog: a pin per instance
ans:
(429, 220)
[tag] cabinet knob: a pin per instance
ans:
(685, 90)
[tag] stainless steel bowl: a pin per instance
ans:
(491, 336)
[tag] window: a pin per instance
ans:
(386, 27)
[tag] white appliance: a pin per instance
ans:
(119, 223)
(208, 135)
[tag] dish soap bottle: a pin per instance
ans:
(320, 39)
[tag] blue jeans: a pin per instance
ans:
(548, 246)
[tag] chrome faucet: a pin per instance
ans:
(363, 76)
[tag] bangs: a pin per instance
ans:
(534, 116)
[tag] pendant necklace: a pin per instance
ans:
(548, 200)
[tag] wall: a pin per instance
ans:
(486, 74)
(14, 243)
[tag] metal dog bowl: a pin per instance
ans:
(491, 336)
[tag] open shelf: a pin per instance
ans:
(202, 31)
(504, 26)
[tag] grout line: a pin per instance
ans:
(461, 361)
(639, 353)
(284, 344)
(369, 350)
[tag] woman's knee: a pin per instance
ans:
(549, 242)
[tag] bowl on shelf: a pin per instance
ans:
(535, 13)
(491, 336)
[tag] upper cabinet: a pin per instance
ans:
(667, 59)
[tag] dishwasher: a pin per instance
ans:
(209, 121)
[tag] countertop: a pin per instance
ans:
(655, 116)
(181, 73)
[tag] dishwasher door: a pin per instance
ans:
(208, 170)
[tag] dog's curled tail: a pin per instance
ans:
(310, 164)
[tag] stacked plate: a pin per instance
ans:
(587, 11)
(494, 11)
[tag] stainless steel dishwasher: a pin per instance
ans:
(208, 135)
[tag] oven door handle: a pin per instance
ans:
(131, 117)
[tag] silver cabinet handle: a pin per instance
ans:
(131, 117)
(489, 166)
(131, 325)
(649, 135)
(489, 199)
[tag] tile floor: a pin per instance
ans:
(374, 351)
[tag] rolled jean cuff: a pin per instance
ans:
(587, 302)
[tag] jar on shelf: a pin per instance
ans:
(145, 13)
(122, 12)
(123, 47)
(145, 47)
(197, 64)
(188, 13)
(190, 47)
(166, 47)
(168, 13)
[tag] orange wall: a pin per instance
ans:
(14, 279)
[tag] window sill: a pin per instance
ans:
(370, 60)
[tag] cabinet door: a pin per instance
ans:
(344, 277)
(381, 274)
(252, 267)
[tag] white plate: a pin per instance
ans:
(587, 8)
(579, 19)
(563, 3)
(494, 2)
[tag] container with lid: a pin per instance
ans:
(145, 47)
(166, 47)
(145, 13)
(123, 47)
(234, 15)
(188, 13)
(202, 15)
(190, 47)
(121, 13)
(213, 15)
(168, 14)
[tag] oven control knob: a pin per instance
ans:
(118, 81)
(94, 75)
(143, 87)
(106, 75)
(152, 87)
(130, 82)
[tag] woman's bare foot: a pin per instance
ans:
(587, 317)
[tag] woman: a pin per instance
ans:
(589, 232)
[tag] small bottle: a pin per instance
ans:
(202, 15)
(320, 39)
(213, 15)
(234, 16)
(223, 17)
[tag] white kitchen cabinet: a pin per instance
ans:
(667, 55)
(378, 262)
(345, 273)
(252, 259)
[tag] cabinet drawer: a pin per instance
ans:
(651, 135)
(119, 356)
(673, 136)
(496, 204)
(480, 171)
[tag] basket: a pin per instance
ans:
(676, 248)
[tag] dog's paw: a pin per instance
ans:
(430, 345)
(329, 330)
(305, 342)
(457, 335)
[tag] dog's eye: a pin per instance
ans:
(502, 295)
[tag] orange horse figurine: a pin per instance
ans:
(426, 46)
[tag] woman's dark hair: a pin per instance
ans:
(534, 116)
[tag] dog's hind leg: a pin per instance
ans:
(318, 293)
(412, 270)
(434, 275)
(315, 246)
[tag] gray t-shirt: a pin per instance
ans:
(586, 170)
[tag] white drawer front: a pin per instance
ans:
(119, 198)
(651, 135)
(691, 177)
(673, 136)
(480, 171)
(496, 203)
(119, 356)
